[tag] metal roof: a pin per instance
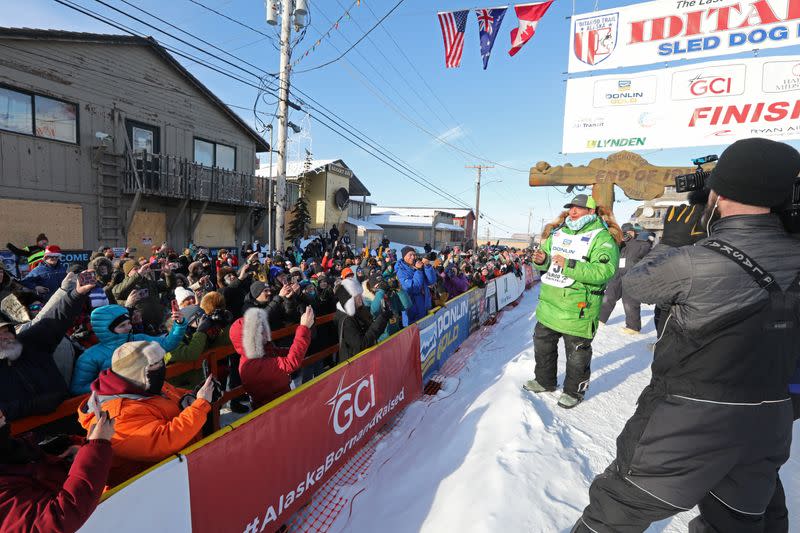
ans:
(103, 38)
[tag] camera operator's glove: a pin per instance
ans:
(192, 396)
(187, 400)
(682, 225)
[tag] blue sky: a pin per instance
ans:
(511, 113)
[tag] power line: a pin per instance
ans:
(240, 23)
(408, 172)
(355, 43)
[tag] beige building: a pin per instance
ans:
(336, 197)
(418, 226)
(107, 139)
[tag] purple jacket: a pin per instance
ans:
(456, 285)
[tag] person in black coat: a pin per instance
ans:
(357, 329)
(30, 383)
(633, 250)
(334, 233)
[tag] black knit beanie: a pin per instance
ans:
(756, 172)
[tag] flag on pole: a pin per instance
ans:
(489, 21)
(529, 16)
(453, 25)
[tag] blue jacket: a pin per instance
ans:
(98, 357)
(46, 276)
(415, 283)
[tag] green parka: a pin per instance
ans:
(559, 308)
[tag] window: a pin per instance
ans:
(38, 115)
(214, 155)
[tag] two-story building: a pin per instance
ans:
(108, 139)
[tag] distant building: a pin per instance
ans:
(336, 197)
(516, 240)
(108, 139)
(650, 215)
(439, 227)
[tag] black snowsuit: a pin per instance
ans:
(715, 423)
(359, 332)
(631, 253)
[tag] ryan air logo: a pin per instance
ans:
(351, 402)
(595, 38)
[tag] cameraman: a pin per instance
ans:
(715, 423)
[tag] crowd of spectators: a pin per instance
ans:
(109, 330)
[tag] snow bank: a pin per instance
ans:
(485, 455)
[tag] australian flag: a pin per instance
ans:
(489, 21)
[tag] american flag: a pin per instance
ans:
(453, 25)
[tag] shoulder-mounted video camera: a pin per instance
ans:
(789, 212)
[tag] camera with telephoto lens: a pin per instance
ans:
(697, 180)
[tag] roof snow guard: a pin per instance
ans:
(60, 35)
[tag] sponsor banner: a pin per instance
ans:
(709, 104)
(670, 30)
(509, 288)
(478, 312)
(256, 476)
(157, 501)
(491, 297)
(531, 277)
(442, 332)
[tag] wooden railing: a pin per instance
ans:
(213, 356)
(178, 177)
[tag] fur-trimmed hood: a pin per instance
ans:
(250, 333)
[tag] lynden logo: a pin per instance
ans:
(781, 76)
(355, 399)
(614, 143)
(595, 38)
(725, 80)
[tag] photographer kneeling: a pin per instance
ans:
(715, 423)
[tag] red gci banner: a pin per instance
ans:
(255, 477)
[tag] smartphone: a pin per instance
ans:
(56, 445)
(175, 307)
(87, 277)
(144, 293)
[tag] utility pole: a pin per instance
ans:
(478, 196)
(530, 214)
(283, 120)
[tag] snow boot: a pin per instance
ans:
(534, 386)
(568, 401)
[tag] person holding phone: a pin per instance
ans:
(112, 325)
(42, 492)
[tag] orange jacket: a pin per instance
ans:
(148, 429)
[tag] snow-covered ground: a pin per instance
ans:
(485, 455)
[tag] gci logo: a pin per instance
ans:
(700, 86)
(351, 402)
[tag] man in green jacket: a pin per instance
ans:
(580, 256)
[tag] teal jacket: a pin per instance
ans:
(574, 310)
(98, 357)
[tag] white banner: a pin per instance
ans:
(509, 288)
(669, 30)
(158, 501)
(705, 104)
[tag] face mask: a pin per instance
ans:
(155, 379)
(575, 225)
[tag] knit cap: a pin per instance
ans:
(345, 293)
(182, 293)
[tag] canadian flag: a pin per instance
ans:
(529, 16)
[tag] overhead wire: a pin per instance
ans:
(384, 155)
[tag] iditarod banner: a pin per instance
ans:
(663, 31)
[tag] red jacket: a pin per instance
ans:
(266, 378)
(45, 497)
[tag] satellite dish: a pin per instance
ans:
(342, 198)
(648, 212)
